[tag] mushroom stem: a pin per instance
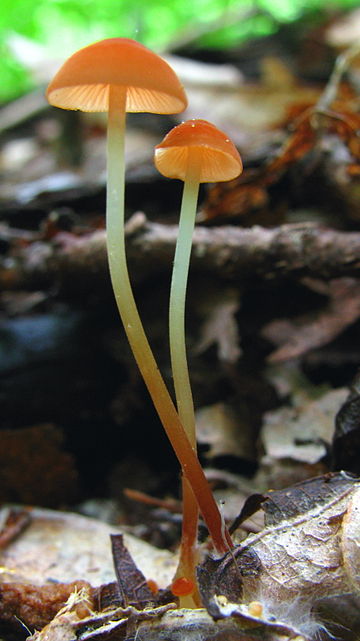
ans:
(134, 329)
(115, 193)
(189, 553)
(180, 372)
(179, 366)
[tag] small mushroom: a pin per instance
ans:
(119, 75)
(195, 151)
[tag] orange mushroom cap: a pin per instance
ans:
(219, 158)
(84, 79)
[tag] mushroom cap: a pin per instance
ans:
(219, 159)
(84, 79)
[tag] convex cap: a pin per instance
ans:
(84, 79)
(218, 157)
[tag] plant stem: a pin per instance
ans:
(134, 329)
(184, 400)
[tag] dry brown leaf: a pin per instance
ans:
(239, 197)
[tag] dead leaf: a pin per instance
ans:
(297, 336)
(298, 558)
(225, 576)
(346, 441)
(245, 195)
(220, 327)
(307, 124)
(302, 498)
(225, 432)
(65, 547)
(131, 582)
(303, 432)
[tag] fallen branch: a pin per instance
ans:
(233, 253)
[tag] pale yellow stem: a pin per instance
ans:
(133, 327)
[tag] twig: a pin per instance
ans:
(232, 253)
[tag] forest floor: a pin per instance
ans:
(273, 335)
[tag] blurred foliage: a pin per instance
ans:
(32, 31)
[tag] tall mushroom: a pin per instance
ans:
(195, 151)
(119, 75)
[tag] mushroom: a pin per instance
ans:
(119, 75)
(195, 151)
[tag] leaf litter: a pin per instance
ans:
(277, 580)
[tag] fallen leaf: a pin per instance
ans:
(298, 336)
(304, 432)
(308, 551)
(131, 582)
(308, 122)
(346, 440)
(220, 327)
(65, 547)
(225, 432)
(245, 195)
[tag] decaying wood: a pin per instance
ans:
(294, 250)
